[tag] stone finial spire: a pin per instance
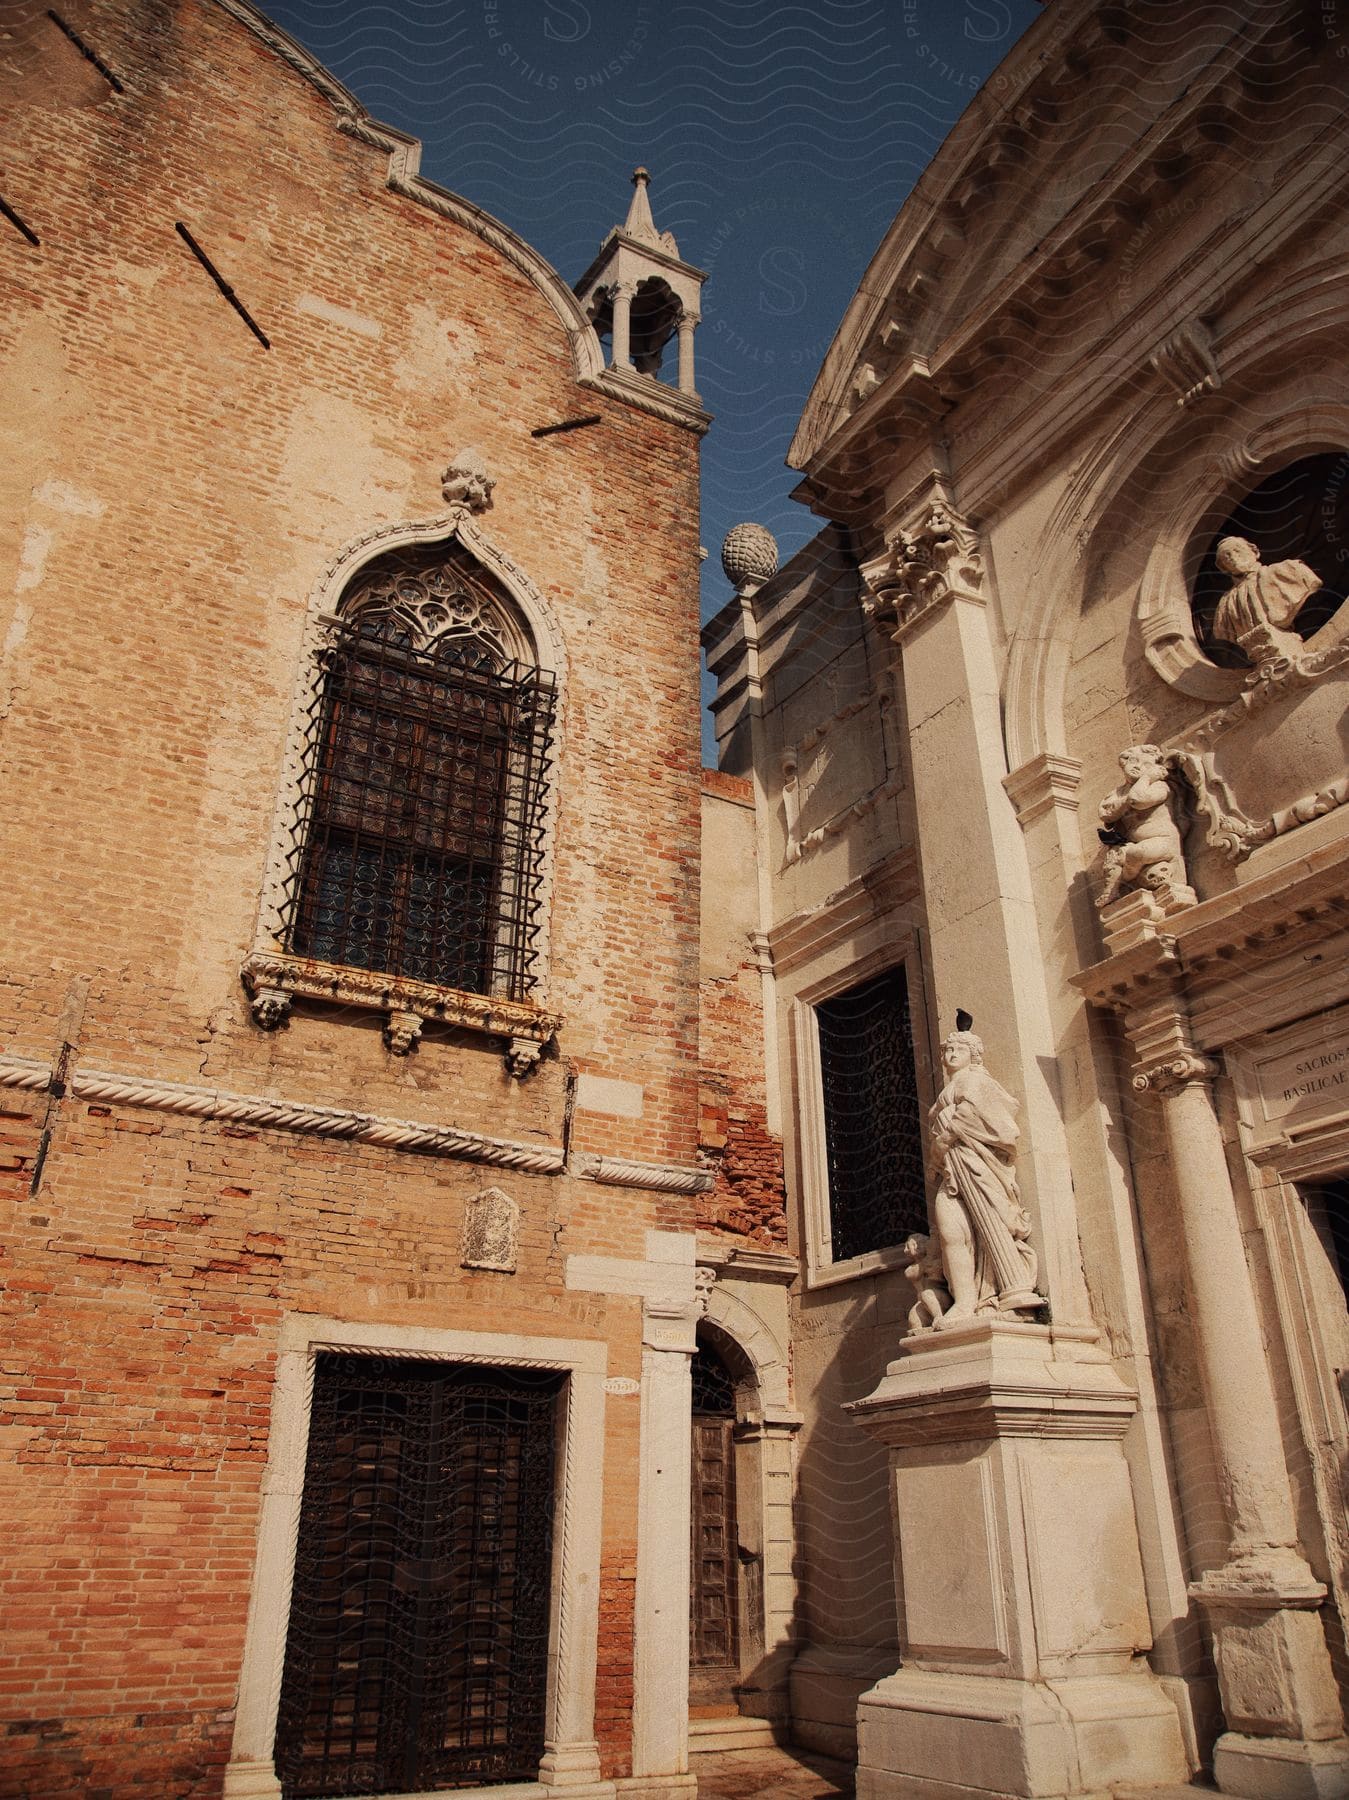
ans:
(639, 291)
(640, 222)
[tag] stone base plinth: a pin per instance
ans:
(251, 1781)
(1263, 1768)
(927, 1736)
(1020, 1586)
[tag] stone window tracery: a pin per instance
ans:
(413, 861)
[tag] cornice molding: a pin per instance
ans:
(651, 396)
(1232, 934)
(880, 890)
(922, 380)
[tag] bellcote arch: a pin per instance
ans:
(272, 976)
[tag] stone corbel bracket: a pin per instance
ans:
(1187, 361)
(274, 980)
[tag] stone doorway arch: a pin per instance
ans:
(763, 1426)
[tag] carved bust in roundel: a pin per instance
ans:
(1262, 602)
(1274, 574)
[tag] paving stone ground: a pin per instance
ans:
(765, 1774)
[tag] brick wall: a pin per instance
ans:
(749, 1198)
(179, 490)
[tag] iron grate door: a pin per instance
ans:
(713, 1609)
(417, 1653)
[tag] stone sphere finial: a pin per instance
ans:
(749, 553)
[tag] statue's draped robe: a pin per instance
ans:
(1270, 596)
(979, 1115)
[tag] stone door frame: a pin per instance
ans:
(572, 1754)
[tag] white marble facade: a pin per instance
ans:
(1052, 715)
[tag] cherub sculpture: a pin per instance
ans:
(928, 1278)
(1138, 825)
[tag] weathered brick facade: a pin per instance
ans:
(179, 489)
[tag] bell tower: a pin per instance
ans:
(640, 293)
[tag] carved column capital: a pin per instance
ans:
(923, 566)
(1169, 1077)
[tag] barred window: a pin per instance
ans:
(873, 1125)
(423, 836)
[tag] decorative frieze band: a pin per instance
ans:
(187, 1100)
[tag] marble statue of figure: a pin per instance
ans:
(987, 1257)
(1139, 828)
(1262, 602)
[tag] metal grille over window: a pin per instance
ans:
(417, 1653)
(421, 854)
(872, 1118)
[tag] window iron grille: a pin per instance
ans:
(713, 1387)
(873, 1124)
(417, 1651)
(419, 848)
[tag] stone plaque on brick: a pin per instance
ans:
(491, 1228)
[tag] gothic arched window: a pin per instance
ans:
(420, 845)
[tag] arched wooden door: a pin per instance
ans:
(714, 1624)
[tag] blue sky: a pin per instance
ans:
(781, 140)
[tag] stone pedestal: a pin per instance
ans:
(1023, 1617)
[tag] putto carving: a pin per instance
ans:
(1140, 829)
(1262, 602)
(466, 481)
(491, 1230)
(924, 567)
(986, 1255)
(926, 1273)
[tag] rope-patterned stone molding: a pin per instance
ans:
(290, 1115)
(24, 1072)
(662, 1178)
